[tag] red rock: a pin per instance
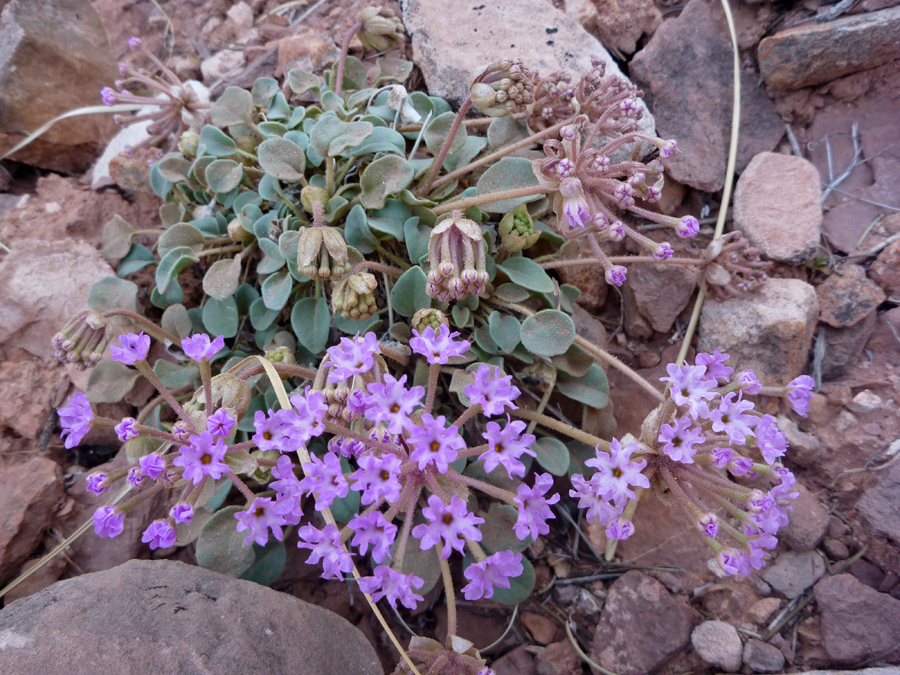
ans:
(762, 658)
(879, 505)
(180, 619)
(718, 644)
(778, 206)
(560, 658)
(847, 296)
(815, 53)
(48, 574)
(26, 393)
(808, 521)
(542, 629)
(588, 279)
(30, 494)
(661, 292)
(642, 625)
(55, 58)
(857, 621)
(309, 50)
(885, 271)
(843, 346)
(519, 661)
(792, 573)
(690, 109)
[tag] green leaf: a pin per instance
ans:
(269, 563)
(552, 455)
(216, 142)
(222, 278)
(484, 340)
(409, 293)
(300, 81)
(438, 131)
(110, 381)
(460, 315)
(417, 237)
(224, 175)
(116, 238)
(497, 532)
(220, 547)
(576, 361)
(591, 389)
(383, 139)
(510, 292)
(548, 333)
(221, 317)
(505, 330)
(112, 293)
(357, 232)
(137, 259)
(528, 274)
(261, 317)
(282, 159)
(311, 321)
(344, 508)
(175, 376)
(235, 106)
(160, 186)
(273, 259)
(174, 168)
(172, 264)
(177, 321)
(331, 136)
(510, 173)
(263, 91)
(276, 289)
(181, 234)
(392, 70)
(383, 177)
(505, 130)
(424, 564)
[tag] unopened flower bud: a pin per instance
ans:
(517, 230)
(281, 355)
(82, 339)
(501, 88)
(381, 29)
(352, 296)
(237, 233)
(322, 253)
(188, 144)
(424, 318)
(311, 195)
(456, 254)
(232, 394)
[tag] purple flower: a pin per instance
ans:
(534, 508)
(493, 571)
(680, 440)
(259, 519)
(288, 492)
(135, 478)
(97, 483)
(492, 390)
(109, 96)
(108, 522)
(505, 446)
(616, 231)
(772, 443)
(353, 356)
(740, 466)
(616, 275)
(358, 402)
(203, 457)
(663, 251)
(588, 493)
(715, 365)
(373, 529)
(220, 424)
(616, 473)
(575, 207)
(393, 403)
(325, 478)
(447, 522)
(199, 347)
(619, 528)
(708, 524)
(721, 457)
(668, 148)
(438, 346)
(304, 421)
(269, 432)
(434, 443)
(346, 447)
(134, 42)
(182, 513)
(687, 227)
(393, 585)
(127, 429)
(730, 417)
(160, 534)
(690, 388)
(729, 560)
(76, 419)
(133, 350)
(325, 545)
(377, 478)
(799, 393)
(748, 381)
(152, 465)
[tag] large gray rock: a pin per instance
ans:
(54, 57)
(450, 40)
(696, 110)
(778, 206)
(168, 617)
(769, 331)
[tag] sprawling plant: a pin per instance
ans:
(378, 341)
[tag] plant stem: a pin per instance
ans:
(148, 373)
(217, 251)
(451, 601)
(338, 85)
(490, 197)
(619, 260)
(468, 413)
(561, 427)
(378, 267)
(407, 527)
(281, 369)
(206, 376)
(241, 486)
(487, 488)
(445, 147)
(154, 330)
(434, 369)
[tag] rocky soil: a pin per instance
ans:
(818, 192)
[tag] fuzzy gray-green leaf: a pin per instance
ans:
(548, 333)
(282, 159)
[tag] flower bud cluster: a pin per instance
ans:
(501, 88)
(322, 253)
(83, 339)
(456, 255)
(732, 267)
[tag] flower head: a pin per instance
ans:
(715, 365)
(220, 423)
(447, 522)
(619, 528)
(679, 440)
(393, 585)
(199, 346)
(133, 350)
(182, 512)
(325, 478)
(160, 534)
(152, 465)
(494, 571)
(109, 522)
(534, 508)
(270, 432)
(492, 390)
(204, 456)
(616, 473)
(799, 393)
(377, 478)
(376, 530)
(731, 418)
(435, 443)
(438, 346)
(325, 545)
(575, 206)
(748, 382)
(505, 446)
(127, 429)
(353, 356)
(772, 443)
(259, 519)
(304, 421)
(708, 524)
(76, 419)
(616, 275)
(690, 388)
(393, 403)
(97, 483)
(687, 227)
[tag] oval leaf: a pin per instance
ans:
(528, 274)
(510, 173)
(235, 106)
(548, 333)
(222, 278)
(116, 238)
(311, 321)
(220, 547)
(181, 234)
(112, 293)
(552, 455)
(221, 317)
(591, 389)
(383, 177)
(282, 159)
(409, 293)
(110, 381)
(171, 266)
(224, 175)
(505, 331)
(276, 289)
(437, 132)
